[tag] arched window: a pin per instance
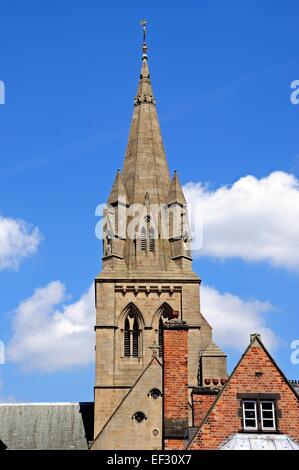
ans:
(127, 338)
(143, 239)
(131, 333)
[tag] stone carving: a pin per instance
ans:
(144, 99)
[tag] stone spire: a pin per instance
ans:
(145, 180)
(145, 168)
(176, 194)
(118, 190)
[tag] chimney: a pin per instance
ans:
(175, 381)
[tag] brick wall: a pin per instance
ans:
(174, 444)
(201, 405)
(256, 373)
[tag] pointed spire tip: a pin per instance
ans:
(144, 46)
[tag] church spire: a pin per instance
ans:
(144, 46)
(145, 168)
(145, 183)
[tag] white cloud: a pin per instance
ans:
(234, 319)
(18, 240)
(254, 219)
(50, 336)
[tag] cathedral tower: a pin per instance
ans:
(146, 275)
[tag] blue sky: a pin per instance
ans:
(221, 74)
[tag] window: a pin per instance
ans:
(135, 338)
(139, 417)
(259, 415)
(143, 239)
(155, 393)
(131, 336)
(267, 415)
(152, 240)
(127, 338)
(152, 244)
(147, 240)
(249, 415)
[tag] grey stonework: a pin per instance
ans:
(144, 281)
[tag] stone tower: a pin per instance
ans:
(146, 275)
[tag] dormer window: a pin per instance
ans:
(267, 411)
(250, 415)
(259, 415)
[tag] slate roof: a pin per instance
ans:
(295, 385)
(46, 426)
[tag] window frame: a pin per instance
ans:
(259, 419)
(250, 428)
(131, 337)
(273, 419)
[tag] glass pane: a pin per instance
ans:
(268, 423)
(268, 414)
(249, 405)
(250, 414)
(250, 423)
(267, 405)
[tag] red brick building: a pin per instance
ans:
(257, 407)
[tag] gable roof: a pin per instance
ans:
(255, 341)
(154, 360)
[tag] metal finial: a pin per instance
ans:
(144, 46)
(143, 24)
